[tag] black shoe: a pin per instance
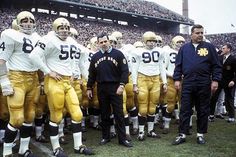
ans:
(126, 143)
(152, 134)
(220, 116)
(41, 139)
(128, 137)
(201, 140)
(104, 141)
(141, 136)
(59, 152)
(112, 135)
(231, 121)
(84, 150)
(28, 153)
(179, 140)
(211, 118)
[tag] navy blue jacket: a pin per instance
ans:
(199, 66)
(109, 67)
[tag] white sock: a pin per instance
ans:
(77, 140)
(176, 113)
(7, 148)
(55, 142)
(38, 131)
(167, 122)
(24, 145)
(199, 134)
(157, 118)
(113, 130)
(127, 130)
(150, 126)
(2, 134)
(135, 122)
(95, 121)
(141, 128)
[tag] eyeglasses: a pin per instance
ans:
(101, 42)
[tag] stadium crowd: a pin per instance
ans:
(138, 7)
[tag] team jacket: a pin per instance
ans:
(200, 65)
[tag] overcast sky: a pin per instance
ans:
(217, 16)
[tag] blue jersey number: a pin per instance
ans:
(27, 45)
(173, 57)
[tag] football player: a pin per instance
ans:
(94, 109)
(146, 71)
(80, 70)
(20, 84)
(172, 94)
(60, 53)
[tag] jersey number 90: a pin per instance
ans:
(150, 57)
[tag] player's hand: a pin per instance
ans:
(177, 85)
(7, 89)
(55, 75)
(165, 88)
(135, 89)
(89, 94)
(120, 90)
(214, 86)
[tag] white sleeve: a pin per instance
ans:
(6, 46)
(163, 68)
(37, 57)
(134, 67)
(83, 69)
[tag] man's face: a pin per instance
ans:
(225, 50)
(197, 35)
(103, 43)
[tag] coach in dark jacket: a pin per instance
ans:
(109, 69)
(199, 69)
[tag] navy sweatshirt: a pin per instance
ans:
(110, 67)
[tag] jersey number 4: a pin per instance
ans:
(2, 46)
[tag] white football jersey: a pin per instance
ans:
(15, 48)
(170, 57)
(148, 62)
(59, 55)
(88, 58)
(126, 50)
(79, 66)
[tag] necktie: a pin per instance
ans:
(224, 59)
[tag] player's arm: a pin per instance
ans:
(37, 55)
(7, 89)
(6, 50)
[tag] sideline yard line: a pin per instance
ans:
(42, 148)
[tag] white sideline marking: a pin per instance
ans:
(42, 148)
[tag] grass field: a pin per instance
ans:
(221, 142)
